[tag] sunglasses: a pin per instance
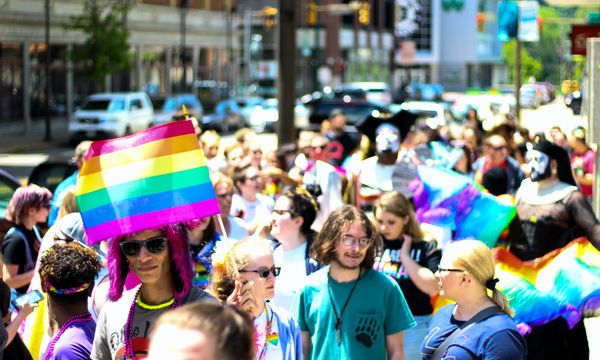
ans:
(154, 246)
(264, 272)
(440, 269)
(496, 148)
(281, 212)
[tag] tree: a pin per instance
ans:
(529, 65)
(105, 50)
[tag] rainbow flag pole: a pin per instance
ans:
(146, 180)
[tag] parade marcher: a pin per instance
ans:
(583, 162)
(203, 237)
(292, 217)
(67, 274)
(496, 150)
(410, 260)
(80, 151)
(235, 227)
(204, 331)
(341, 142)
(28, 207)
(347, 310)
(552, 212)
(160, 259)
(244, 275)
(210, 142)
(466, 273)
(249, 204)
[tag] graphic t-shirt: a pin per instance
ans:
(496, 337)
(76, 342)
(340, 146)
(424, 253)
(109, 341)
(266, 339)
(376, 309)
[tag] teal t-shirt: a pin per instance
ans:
(377, 309)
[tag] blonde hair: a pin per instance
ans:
(69, 202)
(396, 204)
(227, 262)
(474, 257)
(210, 135)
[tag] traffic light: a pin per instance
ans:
(313, 17)
(364, 15)
(270, 13)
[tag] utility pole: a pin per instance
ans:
(183, 8)
(518, 80)
(286, 131)
(48, 135)
(593, 94)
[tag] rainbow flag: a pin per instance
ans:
(563, 283)
(146, 180)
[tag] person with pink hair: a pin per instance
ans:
(160, 258)
(29, 206)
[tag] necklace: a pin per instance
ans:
(338, 318)
(75, 319)
(129, 353)
(270, 336)
(153, 307)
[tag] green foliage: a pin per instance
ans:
(105, 50)
(529, 65)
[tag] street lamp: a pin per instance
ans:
(183, 4)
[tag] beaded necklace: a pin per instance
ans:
(75, 319)
(129, 353)
(153, 307)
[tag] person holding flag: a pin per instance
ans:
(137, 191)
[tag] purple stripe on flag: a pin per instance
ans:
(159, 132)
(154, 219)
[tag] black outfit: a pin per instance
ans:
(424, 253)
(547, 227)
(340, 146)
(16, 350)
(14, 249)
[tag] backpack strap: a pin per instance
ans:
(482, 315)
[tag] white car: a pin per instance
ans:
(265, 117)
(434, 114)
(109, 115)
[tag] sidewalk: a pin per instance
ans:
(13, 138)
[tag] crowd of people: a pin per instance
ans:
(317, 253)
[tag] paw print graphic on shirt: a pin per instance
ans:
(366, 331)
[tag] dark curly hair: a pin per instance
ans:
(68, 266)
(340, 220)
(302, 204)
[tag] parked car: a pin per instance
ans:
(227, 115)
(265, 117)
(247, 106)
(434, 114)
(165, 108)
(375, 92)
(530, 96)
(108, 115)
(356, 110)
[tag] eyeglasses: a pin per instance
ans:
(496, 148)
(225, 195)
(349, 240)
(154, 246)
(253, 178)
(263, 272)
(281, 212)
(440, 269)
(322, 147)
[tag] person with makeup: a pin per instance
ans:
(29, 206)
(466, 273)
(244, 276)
(67, 273)
(410, 260)
(553, 212)
(203, 237)
(161, 260)
(347, 310)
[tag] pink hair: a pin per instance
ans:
(25, 198)
(181, 265)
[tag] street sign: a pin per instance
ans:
(528, 24)
(579, 36)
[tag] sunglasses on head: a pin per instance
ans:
(263, 272)
(154, 245)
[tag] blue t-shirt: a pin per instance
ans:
(496, 337)
(376, 309)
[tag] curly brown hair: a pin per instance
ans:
(67, 266)
(323, 250)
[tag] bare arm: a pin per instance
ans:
(306, 345)
(395, 346)
(421, 276)
(13, 327)
(13, 280)
(581, 212)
